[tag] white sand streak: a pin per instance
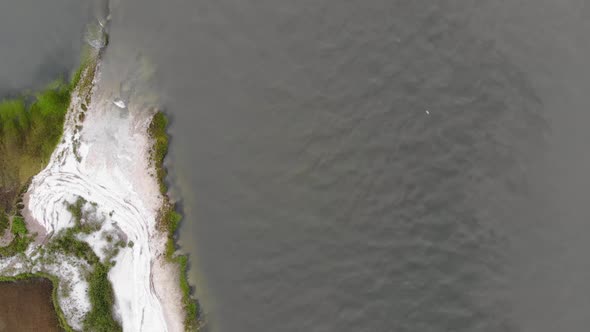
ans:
(107, 162)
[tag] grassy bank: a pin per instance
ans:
(21, 238)
(30, 129)
(169, 220)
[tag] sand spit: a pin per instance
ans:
(104, 158)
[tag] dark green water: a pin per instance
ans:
(319, 194)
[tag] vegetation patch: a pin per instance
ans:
(100, 290)
(20, 241)
(76, 210)
(30, 129)
(83, 224)
(190, 305)
(83, 81)
(66, 242)
(157, 131)
(169, 219)
(18, 226)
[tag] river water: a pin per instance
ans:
(373, 165)
(40, 41)
(319, 193)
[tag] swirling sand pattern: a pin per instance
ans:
(106, 162)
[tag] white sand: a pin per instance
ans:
(107, 162)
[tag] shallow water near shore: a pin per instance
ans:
(26, 306)
(40, 41)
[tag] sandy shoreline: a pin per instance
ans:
(165, 276)
(104, 158)
(34, 226)
(95, 209)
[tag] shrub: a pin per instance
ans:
(76, 210)
(157, 131)
(19, 244)
(67, 243)
(100, 291)
(18, 226)
(30, 129)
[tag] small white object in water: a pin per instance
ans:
(428, 112)
(119, 103)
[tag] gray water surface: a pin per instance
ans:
(319, 195)
(39, 41)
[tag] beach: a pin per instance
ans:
(105, 159)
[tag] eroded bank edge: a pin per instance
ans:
(169, 219)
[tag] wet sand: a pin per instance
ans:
(26, 306)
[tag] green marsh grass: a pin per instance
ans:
(169, 219)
